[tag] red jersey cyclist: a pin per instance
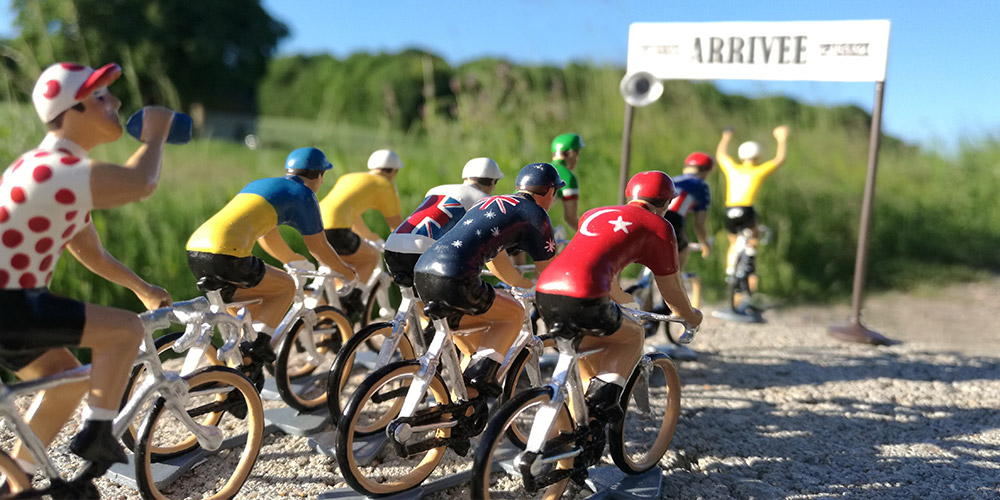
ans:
(46, 197)
(742, 182)
(220, 251)
(580, 286)
(448, 273)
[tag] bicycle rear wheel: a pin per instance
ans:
(301, 378)
(515, 382)
(376, 403)
(172, 361)
(652, 401)
(345, 374)
(493, 479)
(216, 394)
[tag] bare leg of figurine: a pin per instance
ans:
(622, 351)
(276, 291)
(364, 261)
(731, 256)
(51, 408)
(487, 348)
(113, 336)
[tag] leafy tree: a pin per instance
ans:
(174, 52)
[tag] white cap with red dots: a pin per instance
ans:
(64, 84)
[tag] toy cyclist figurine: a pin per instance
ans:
(352, 196)
(742, 182)
(441, 209)
(579, 285)
(693, 196)
(565, 153)
(448, 272)
(46, 197)
(219, 252)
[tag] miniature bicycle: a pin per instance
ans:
(423, 411)
(644, 292)
(214, 410)
(371, 302)
(307, 338)
(563, 442)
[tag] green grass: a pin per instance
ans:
(936, 218)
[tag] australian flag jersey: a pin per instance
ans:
(441, 209)
(693, 194)
(494, 224)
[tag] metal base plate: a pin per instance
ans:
(748, 316)
(611, 483)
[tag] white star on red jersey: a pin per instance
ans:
(620, 224)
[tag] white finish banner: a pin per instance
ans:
(839, 51)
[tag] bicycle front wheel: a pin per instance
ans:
(346, 373)
(517, 381)
(301, 377)
(216, 394)
(379, 305)
(376, 403)
(490, 478)
(652, 402)
(172, 361)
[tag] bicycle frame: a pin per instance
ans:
(168, 384)
(406, 322)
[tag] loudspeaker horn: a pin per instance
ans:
(640, 88)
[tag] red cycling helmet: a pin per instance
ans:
(653, 186)
(700, 160)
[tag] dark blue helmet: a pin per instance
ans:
(538, 174)
(307, 159)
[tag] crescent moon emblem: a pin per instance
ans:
(583, 225)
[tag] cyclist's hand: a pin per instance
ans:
(727, 132)
(156, 121)
(300, 262)
(706, 250)
(781, 132)
(154, 297)
(697, 317)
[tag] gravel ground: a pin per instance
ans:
(782, 410)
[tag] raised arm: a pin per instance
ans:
(721, 150)
(781, 135)
(115, 185)
(87, 248)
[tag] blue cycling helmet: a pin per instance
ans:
(307, 159)
(538, 174)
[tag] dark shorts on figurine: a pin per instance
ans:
(598, 316)
(343, 240)
(401, 266)
(35, 320)
(473, 297)
(740, 218)
(677, 221)
(225, 273)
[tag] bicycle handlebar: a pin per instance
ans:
(296, 269)
(685, 338)
(199, 323)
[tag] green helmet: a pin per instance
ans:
(567, 142)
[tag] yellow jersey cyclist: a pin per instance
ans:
(742, 182)
(46, 197)
(565, 154)
(353, 195)
(219, 252)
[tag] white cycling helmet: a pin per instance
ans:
(484, 168)
(384, 158)
(748, 150)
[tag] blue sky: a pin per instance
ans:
(943, 56)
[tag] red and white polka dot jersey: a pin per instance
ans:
(45, 200)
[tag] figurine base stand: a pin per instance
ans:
(290, 420)
(611, 483)
(677, 352)
(856, 332)
(745, 316)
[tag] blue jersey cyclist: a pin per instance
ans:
(219, 252)
(449, 271)
(441, 209)
(693, 197)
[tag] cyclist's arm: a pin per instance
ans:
(394, 222)
(504, 269)
(276, 247)
(781, 135)
(723, 147)
(115, 185)
(362, 230)
(700, 231)
(320, 248)
(570, 214)
(87, 248)
(674, 295)
(617, 294)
